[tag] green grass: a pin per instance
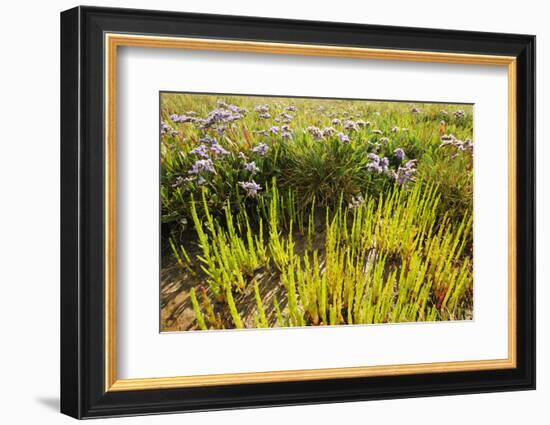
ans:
(340, 242)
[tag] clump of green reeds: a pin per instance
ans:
(388, 259)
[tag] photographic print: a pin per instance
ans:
(282, 212)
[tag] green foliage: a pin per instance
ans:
(340, 241)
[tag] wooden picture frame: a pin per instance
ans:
(90, 39)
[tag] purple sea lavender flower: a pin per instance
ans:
(374, 167)
(328, 131)
(336, 121)
(384, 163)
(459, 114)
(315, 132)
(261, 149)
(410, 164)
(373, 157)
(343, 138)
(221, 130)
(252, 188)
(261, 109)
(251, 167)
(447, 139)
(166, 129)
(207, 139)
(220, 116)
(399, 154)
(274, 130)
(218, 149)
(286, 135)
(202, 165)
(350, 125)
(264, 115)
(182, 118)
(291, 108)
(201, 180)
(284, 117)
(404, 175)
(201, 151)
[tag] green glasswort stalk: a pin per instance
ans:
(196, 308)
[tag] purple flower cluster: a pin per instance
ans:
(202, 165)
(284, 117)
(315, 132)
(350, 125)
(399, 154)
(220, 115)
(207, 139)
(459, 114)
(405, 173)
(376, 164)
(286, 132)
(262, 109)
(218, 149)
(187, 117)
(166, 129)
(251, 187)
(251, 167)
(201, 151)
(451, 140)
(261, 149)
(328, 131)
(343, 138)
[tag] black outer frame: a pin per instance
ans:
(82, 212)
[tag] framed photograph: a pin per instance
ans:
(261, 212)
